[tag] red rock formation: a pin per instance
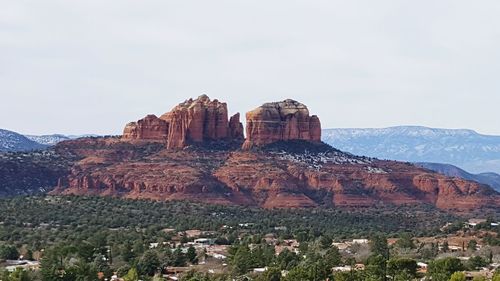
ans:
(280, 177)
(193, 121)
(235, 127)
(281, 121)
(148, 128)
(267, 179)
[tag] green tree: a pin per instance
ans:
(101, 264)
(476, 262)
(178, 257)
(325, 242)
(332, 257)
(310, 272)
(347, 276)
(86, 251)
(396, 266)
(405, 242)
(84, 271)
(29, 255)
(376, 268)
(403, 276)
(378, 246)
(132, 275)
(127, 252)
(458, 276)
(51, 265)
(271, 274)
(472, 245)
(19, 275)
(8, 252)
(286, 260)
(446, 247)
(240, 259)
(442, 269)
(149, 263)
(191, 255)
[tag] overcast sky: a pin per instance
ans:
(91, 66)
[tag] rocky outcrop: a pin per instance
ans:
(293, 170)
(235, 127)
(148, 128)
(267, 178)
(281, 121)
(193, 121)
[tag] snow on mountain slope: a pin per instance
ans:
(48, 139)
(463, 148)
(11, 141)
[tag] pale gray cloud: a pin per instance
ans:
(91, 66)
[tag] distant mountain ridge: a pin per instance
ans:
(12, 141)
(196, 152)
(48, 139)
(15, 142)
(491, 179)
(466, 149)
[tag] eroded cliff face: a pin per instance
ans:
(193, 121)
(265, 178)
(281, 121)
(148, 128)
(291, 168)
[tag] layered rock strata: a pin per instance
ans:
(281, 121)
(193, 121)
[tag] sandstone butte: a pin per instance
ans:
(281, 164)
(281, 121)
(191, 122)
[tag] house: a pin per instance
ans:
(217, 251)
(422, 267)
(168, 230)
(471, 275)
(170, 270)
(260, 270)
(342, 246)
(279, 248)
(218, 256)
(475, 222)
(348, 268)
(347, 244)
(192, 233)
(203, 242)
(12, 265)
(360, 241)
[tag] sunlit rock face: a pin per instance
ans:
(190, 122)
(281, 121)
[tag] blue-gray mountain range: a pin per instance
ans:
(459, 153)
(11, 141)
(466, 149)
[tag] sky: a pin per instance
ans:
(91, 66)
